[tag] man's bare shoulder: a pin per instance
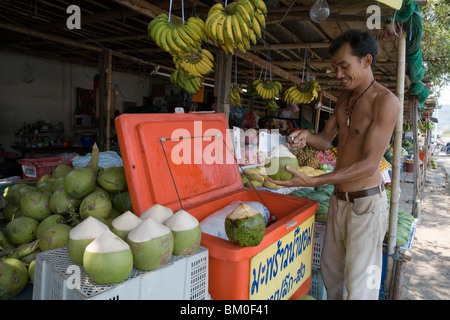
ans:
(385, 99)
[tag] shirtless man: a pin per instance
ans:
(364, 118)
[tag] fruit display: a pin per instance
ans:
(244, 226)
(303, 93)
(237, 25)
(197, 64)
(404, 224)
(267, 89)
(307, 157)
(176, 37)
(190, 85)
(254, 177)
(322, 194)
(235, 96)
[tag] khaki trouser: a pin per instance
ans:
(351, 258)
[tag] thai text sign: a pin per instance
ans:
(279, 270)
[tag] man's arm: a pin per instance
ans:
(377, 139)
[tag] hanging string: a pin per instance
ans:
(170, 10)
(182, 10)
(194, 12)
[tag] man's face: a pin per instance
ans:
(349, 68)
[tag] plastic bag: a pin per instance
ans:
(215, 223)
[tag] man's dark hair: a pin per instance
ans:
(361, 42)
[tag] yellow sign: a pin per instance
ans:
(278, 271)
(396, 4)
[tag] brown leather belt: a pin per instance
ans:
(352, 195)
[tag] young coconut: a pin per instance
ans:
(151, 243)
(108, 259)
(275, 164)
(158, 213)
(244, 226)
(186, 231)
(124, 223)
(82, 235)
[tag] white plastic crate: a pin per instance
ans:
(318, 289)
(319, 235)
(182, 278)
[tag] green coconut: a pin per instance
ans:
(36, 205)
(61, 171)
(97, 205)
(21, 230)
(124, 223)
(112, 179)
(276, 163)
(54, 237)
(11, 211)
(122, 202)
(244, 226)
(15, 192)
(57, 184)
(79, 182)
(13, 278)
(31, 270)
(151, 243)
(61, 202)
(49, 222)
(186, 231)
(108, 259)
(44, 179)
(158, 213)
(82, 235)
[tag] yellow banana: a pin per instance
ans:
(244, 14)
(248, 7)
(163, 40)
(261, 18)
(218, 7)
(236, 28)
(257, 28)
(220, 29)
(171, 43)
(262, 6)
(242, 24)
(192, 44)
(212, 26)
(156, 32)
(179, 41)
(208, 54)
(228, 29)
(198, 25)
(192, 34)
(252, 36)
(229, 46)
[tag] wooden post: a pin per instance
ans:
(222, 81)
(416, 174)
(396, 162)
(318, 113)
(399, 277)
(108, 100)
(425, 157)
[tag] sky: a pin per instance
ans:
(443, 114)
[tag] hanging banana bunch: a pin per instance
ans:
(176, 37)
(190, 85)
(237, 25)
(235, 96)
(303, 93)
(271, 105)
(267, 89)
(195, 65)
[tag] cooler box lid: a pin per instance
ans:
(173, 157)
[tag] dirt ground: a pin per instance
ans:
(427, 275)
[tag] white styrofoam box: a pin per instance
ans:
(183, 278)
(319, 235)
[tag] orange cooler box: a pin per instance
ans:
(186, 161)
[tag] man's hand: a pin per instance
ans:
(299, 139)
(299, 179)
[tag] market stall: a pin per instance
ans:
(227, 101)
